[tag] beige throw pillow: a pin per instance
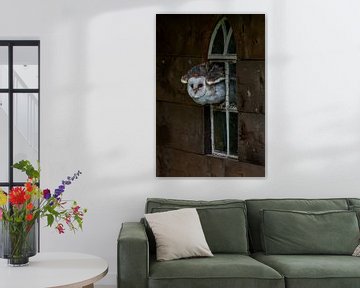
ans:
(178, 234)
(357, 251)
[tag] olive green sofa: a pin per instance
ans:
(236, 234)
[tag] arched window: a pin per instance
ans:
(224, 116)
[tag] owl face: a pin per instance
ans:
(205, 84)
(196, 87)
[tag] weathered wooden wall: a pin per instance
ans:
(182, 42)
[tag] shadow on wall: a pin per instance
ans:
(73, 88)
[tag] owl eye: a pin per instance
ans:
(201, 85)
(192, 86)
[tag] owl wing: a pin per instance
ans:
(215, 74)
(196, 71)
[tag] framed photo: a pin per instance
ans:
(210, 95)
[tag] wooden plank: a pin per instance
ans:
(216, 166)
(180, 126)
(189, 34)
(252, 138)
(169, 70)
(234, 168)
(176, 163)
(184, 34)
(251, 85)
(249, 35)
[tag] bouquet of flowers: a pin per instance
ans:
(23, 206)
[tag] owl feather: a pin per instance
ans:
(205, 83)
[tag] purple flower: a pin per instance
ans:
(58, 192)
(68, 181)
(46, 194)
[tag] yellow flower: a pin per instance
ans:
(3, 198)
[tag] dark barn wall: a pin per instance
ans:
(182, 42)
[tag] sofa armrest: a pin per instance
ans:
(133, 256)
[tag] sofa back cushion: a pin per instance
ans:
(354, 205)
(255, 206)
(298, 232)
(353, 201)
(223, 221)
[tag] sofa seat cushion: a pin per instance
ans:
(222, 270)
(313, 271)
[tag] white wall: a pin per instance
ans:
(98, 105)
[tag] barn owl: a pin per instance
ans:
(206, 83)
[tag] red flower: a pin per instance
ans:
(29, 206)
(68, 219)
(17, 196)
(29, 217)
(75, 209)
(29, 186)
(60, 228)
(27, 196)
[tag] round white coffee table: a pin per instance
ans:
(60, 270)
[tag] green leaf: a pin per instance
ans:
(50, 219)
(28, 168)
(79, 221)
(21, 165)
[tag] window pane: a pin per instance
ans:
(4, 67)
(26, 67)
(232, 86)
(227, 26)
(233, 133)
(26, 131)
(220, 131)
(218, 44)
(231, 45)
(4, 137)
(5, 189)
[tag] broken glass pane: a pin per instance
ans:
(218, 44)
(220, 131)
(231, 46)
(227, 26)
(233, 133)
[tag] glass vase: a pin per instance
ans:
(18, 242)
